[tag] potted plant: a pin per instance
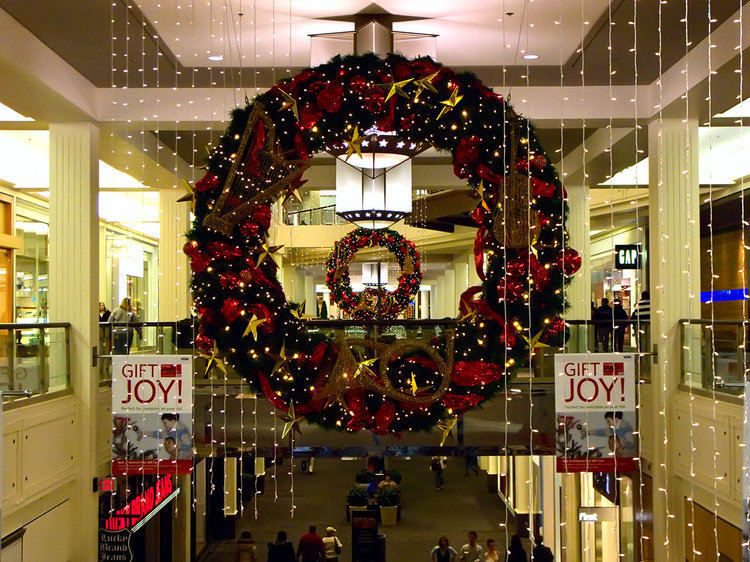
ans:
(363, 479)
(388, 502)
(356, 500)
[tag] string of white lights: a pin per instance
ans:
(712, 326)
(640, 333)
(689, 348)
(508, 459)
(663, 379)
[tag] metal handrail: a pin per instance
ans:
(311, 210)
(40, 326)
(709, 322)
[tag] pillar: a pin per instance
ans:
(474, 279)
(461, 267)
(675, 283)
(450, 302)
(311, 302)
(174, 272)
(73, 294)
(579, 230)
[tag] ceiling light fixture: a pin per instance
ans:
(531, 57)
(216, 58)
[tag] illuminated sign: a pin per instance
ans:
(143, 507)
(627, 256)
(588, 517)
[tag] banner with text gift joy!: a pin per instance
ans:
(595, 405)
(152, 397)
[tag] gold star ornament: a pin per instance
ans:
(396, 88)
(534, 342)
(425, 84)
(252, 327)
(447, 426)
(364, 367)
(189, 196)
(289, 103)
(354, 145)
(269, 252)
(291, 422)
(214, 360)
(450, 103)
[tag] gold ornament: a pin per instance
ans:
(354, 145)
(252, 327)
(291, 422)
(298, 311)
(269, 252)
(273, 174)
(446, 426)
(289, 103)
(281, 359)
(519, 220)
(214, 360)
(396, 88)
(425, 84)
(189, 196)
(343, 379)
(364, 367)
(534, 342)
(450, 103)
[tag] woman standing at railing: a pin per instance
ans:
(122, 332)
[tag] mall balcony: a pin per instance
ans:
(111, 111)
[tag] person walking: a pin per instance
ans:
(642, 310)
(246, 549)
(603, 325)
(642, 314)
(541, 552)
(282, 550)
(471, 551)
(104, 313)
(621, 327)
(516, 553)
(437, 465)
(443, 552)
(332, 545)
(310, 547)
(491, 554)
(122, 332)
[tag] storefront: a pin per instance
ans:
(619, 266)
(135, 519)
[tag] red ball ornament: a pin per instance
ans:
(209, 182)
(569, 261)
(204, 343)
(231, 310)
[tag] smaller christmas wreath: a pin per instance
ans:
(373, 303)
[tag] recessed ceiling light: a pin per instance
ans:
(216, 58)
(531, 57)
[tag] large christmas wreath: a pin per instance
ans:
(520, 251)
(373, 303)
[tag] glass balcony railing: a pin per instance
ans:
(317, 216)
(714, 355)
(35, 357)
(143, 338)
(148, 338)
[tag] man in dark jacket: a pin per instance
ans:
(310, 547)
(541, 552)
(603, 325)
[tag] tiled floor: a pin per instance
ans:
(464, 504)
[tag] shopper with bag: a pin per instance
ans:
(332, 545)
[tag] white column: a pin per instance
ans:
(579, 229)
(73, 295)
(311, 303)
(461, 267)
(674, 243)
(438, 289)
(174, 272)
(450, 302)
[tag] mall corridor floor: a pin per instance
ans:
(464, 504)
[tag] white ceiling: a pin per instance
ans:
(469, 32)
